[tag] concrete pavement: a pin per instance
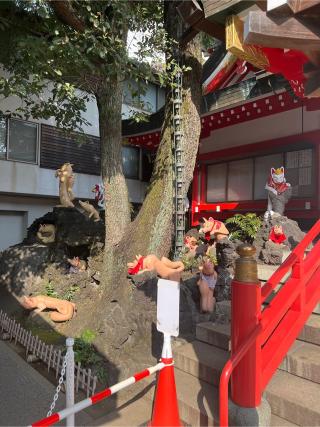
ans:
(25, 395)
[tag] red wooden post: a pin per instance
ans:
(203, 184)
(245, 314)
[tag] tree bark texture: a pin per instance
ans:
(152, 230)
(128, 313)
(117, 212)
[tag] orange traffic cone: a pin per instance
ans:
(165, 408)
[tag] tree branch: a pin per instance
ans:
(67, 14)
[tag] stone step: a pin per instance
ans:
(206, 361)
(134, 413)
(280, 422)
(303, 360)
(201, 360)
(223, 311)
(198, 400)
(316, 310)
(266, 271)
(219, 335)
(137, 413)
(311, 330)
(294, 399)
(215, 334)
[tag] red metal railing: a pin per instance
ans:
(279, 324)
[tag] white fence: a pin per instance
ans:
(52, 357)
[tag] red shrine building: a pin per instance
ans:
(241, 143)
(247, 128)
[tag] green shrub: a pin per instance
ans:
(244, 227)
(70, 293)
(189, 262)
(50, 292)
(84, 351)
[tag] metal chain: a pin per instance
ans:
(178, 166)
(58, 389)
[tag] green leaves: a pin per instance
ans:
(84, 350)
(48, 59)
(244, 227)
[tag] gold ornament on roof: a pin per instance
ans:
(235, 45)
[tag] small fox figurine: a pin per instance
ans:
(90, 210)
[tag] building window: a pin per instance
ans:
(3, 138)
(240, 180)
(22, 141)
(299, 172)
(245, 179)
(18, 140)
(216, 183)
(130, 162)
(262, 168)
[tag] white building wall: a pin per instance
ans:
(17, 213)
(24, 178)
(91, 114)
(27, 179)
(267, 128)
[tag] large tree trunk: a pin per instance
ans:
(152, 230)
(127, 314)
(117, 212)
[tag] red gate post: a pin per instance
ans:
(245, 315)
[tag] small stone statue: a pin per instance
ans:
(77, 265)
(98, 190)
(47, 233)
(63, 310)
(90, 210)
(212, 229)
(207, 283)
(217, 232)
(279, 192)
(66, 182)
(277, 235)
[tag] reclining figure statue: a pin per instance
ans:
(165, 268)
(64, 310)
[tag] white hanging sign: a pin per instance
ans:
(168, 307)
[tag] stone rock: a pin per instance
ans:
(223, 312)
(270, 253)
(222, 290)
(226, 253)
(22, 266)
(73, 228)
(226, 256)
(140, 279)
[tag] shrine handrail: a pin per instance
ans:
(280, 323)
(227, 371)
(296, 256)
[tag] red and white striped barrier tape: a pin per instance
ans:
(64, 413)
